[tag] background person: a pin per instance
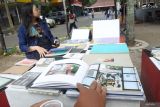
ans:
(72, 21)
(92, 13)
(110, 14)
(35, 38)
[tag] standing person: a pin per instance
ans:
(106, 13)
(92, 14)
(72, 21)
(110, 14)
(35, 38)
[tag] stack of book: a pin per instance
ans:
(156, 53)
(121, 82)
(58, 51)
(21, 67)
(155, 58)
(24, 81)
(4, 82)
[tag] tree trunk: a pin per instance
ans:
(2, 43)
(130, 23)
(9, 16)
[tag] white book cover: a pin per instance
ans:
(80, 34)
(63, 72)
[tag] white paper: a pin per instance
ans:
(129, 77)
(80, 34)
(131, 85)
(156, 62)
(106, 29)
(128, 70)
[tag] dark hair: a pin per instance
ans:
(27, 15)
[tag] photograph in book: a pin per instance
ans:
(113, 78)
(120, 82)
(110, 77)
(62, 73)
(67, 68)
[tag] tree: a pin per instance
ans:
(88, 2)
(8, 15)
(130, 23)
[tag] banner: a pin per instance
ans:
(24, 1)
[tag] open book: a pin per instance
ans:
(62, 74)
(68, 72)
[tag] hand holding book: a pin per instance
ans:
(94, 96)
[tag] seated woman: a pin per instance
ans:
(35, 38)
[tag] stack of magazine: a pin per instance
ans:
(121, 82)
(155, 52)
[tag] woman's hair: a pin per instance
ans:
(27, 15)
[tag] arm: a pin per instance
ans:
(24, 46)
(75, 18)
(55, 41)
(22, 39)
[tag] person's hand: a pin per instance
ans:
(42, 51)
(95, 96)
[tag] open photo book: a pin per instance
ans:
(68, 72)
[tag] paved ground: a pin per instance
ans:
(144, 31)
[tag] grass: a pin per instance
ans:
(12, 51)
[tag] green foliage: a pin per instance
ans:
(14, 50)
(88, 2)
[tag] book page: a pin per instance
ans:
(4, 81)
(67, 71)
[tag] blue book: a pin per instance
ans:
(58, 51)
(109, 48)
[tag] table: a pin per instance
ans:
(3, 99)
(22, 98)
(150, 78)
